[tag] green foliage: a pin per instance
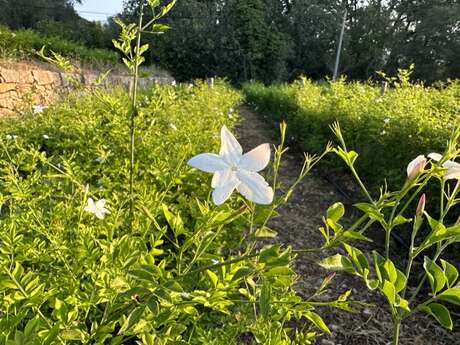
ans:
(387, 130)
(387, 273)
(180, 274)
(25, 43)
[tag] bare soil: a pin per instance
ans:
(297, 226)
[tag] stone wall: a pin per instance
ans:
(24, 84)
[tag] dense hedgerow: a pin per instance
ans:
(25, 43)
(386, 130)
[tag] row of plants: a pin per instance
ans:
(387, 127)
(25, 43)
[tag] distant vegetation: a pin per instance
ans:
(25, 43)
(387, 130)
(272, 40)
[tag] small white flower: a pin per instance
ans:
(383, 132)
(233, 170)
(45, 136)
(173, 83)
(11, 137)
(416, 166)
(215, 261)
(453, 168)
(37, 109)
(173, 126)
(97, 208)
(185, 295)
(386, 121)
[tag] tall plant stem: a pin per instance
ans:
(396, 331)
(133, 113)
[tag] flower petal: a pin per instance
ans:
(254, 187)
(99, 214)
(222, 178)
(416, 166)
(100, 203)
(435, 156)
(256, 159)
(221, 194)
(452, 174)
(451, 165)
(90, 206)
(208, 162)
(453, 170)
(230, 149)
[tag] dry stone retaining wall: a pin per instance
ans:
(24, 84)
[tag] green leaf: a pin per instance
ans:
(357, 257)
(440, 313)
(371, 211)
(401, 281)
(389, 291)
(265, 297)
(160, 28)
(378, 265)
(174, 221)
(451, 295)
(450, 272)
(337, 262)
(390, 272)
(317, 321)
(335, 212)
(355, 236)
(400, 220)
(242, 272)
(132, 319)
(266, 232)
(435, 275)
(212, 277)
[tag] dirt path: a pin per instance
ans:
(298, 226)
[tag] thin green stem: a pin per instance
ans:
(396, 331)
(133, 113)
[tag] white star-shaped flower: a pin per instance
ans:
(37, 109)
(233, 170)
(453, 168)
(97, 208)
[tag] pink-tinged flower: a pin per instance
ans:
(421, 206)
(233, 170)
(452, 168)
(416, 167)
(97, 208)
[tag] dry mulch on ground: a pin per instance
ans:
(297, 226)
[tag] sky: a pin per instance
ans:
(99, 9)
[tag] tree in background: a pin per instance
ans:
(18, 14)
(274, 40)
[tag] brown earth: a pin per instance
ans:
(298, 225)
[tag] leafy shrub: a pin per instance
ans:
(25, 43)
(387, 131)
(180, 274)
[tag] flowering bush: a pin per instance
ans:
(74, 268)
(431, 235)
